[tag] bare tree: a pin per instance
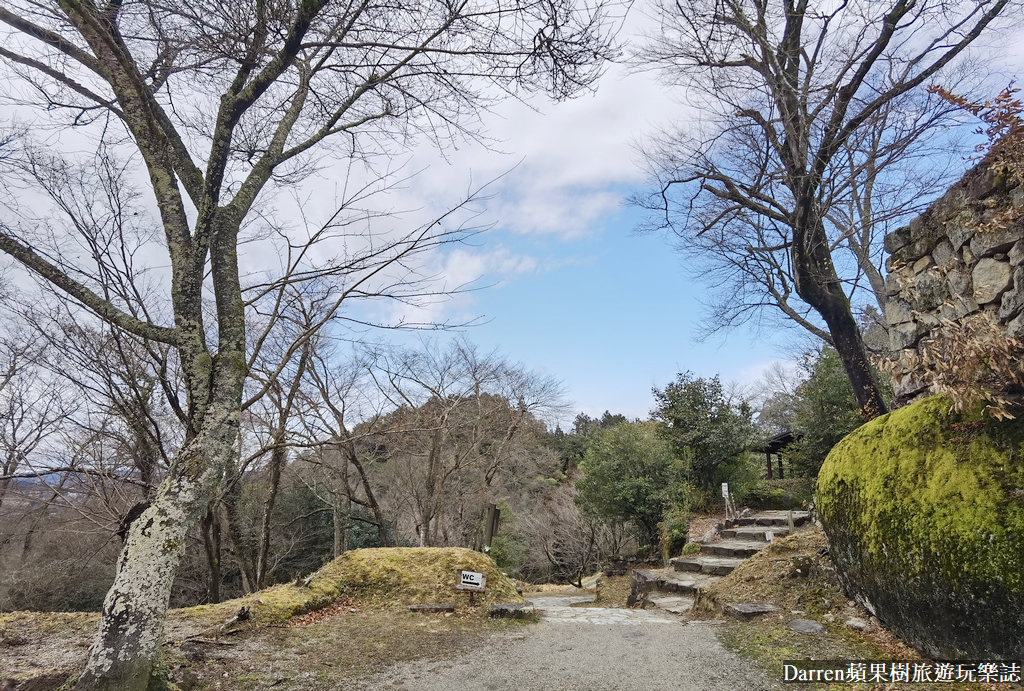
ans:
(457, 415)
(815, 108)
(222, 102)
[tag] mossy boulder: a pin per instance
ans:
(924, 513)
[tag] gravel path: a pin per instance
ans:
(592, 649)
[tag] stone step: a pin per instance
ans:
(780, 518)
(749, 610)
(677, 604)
(733, 548)
(756, 533)
(684, 583)
(706, 563)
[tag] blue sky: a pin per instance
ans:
(611, 314)
(574, 291)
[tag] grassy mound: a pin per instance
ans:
(417, 575)
(383, 577)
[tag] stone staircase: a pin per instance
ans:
(675, 588)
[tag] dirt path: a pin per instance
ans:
(596, 649)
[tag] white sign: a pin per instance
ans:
(471, 580)
(725, 490)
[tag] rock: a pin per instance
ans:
(1016, 255)
(1015, 327)
(931, 291)
(959, 234)
(968, 256)
(858, 624)
(1013, 300)
(749, 610)
(943, 253)
(897, 239)
(897, 312)
(922, 510)
(991, 278)
(904, 335)
(431, 608)
(990, 242)
(922, 264)
(643, 581)
(959, 282)
(965, 305)
(806, 626)
(893, 284)
(876, 338)
(515, 610)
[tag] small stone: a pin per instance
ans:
(922, 264)
(806, 626)
(858, 624)
(991, 278)
(968, 256)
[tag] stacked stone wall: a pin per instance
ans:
(950, 264)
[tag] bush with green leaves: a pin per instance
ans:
(825, 411)
(630, 473)
(707, 429)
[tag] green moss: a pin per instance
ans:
(384, 577)
(927, 506)
(691, 548)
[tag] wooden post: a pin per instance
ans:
(490, 525)
(768, 459)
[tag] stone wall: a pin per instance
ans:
(947, 265)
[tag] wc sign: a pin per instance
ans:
(471, 580)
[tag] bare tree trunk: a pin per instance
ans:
(277, 458)
(382, 537)
(346, 535)
(132, 626)
(212, 544)
(336, 509)
(819, 285)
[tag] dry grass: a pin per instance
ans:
(332, 651)
(352, 616)
(796, 575)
